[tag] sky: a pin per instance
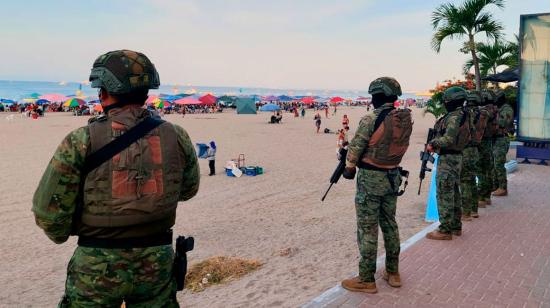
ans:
(283, 44)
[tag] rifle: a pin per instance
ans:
(426, 157)
(183, 245)
(343, 152)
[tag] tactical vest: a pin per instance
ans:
(481, 116)
(491, 129)
(139, 185)
(508, 123)
(390, 140)
(464, 134)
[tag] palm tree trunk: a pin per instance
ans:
(475, 60)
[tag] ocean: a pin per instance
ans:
(17, 90)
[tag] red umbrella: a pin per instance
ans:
(188, 101)
(336, 99)
(308, 100)
(208, 99)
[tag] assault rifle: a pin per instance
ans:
(426, 157)
(343, 152)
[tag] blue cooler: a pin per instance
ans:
(250, 171)
(228, 172)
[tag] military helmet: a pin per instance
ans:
(386, 85)
(454, 94)
(488, 95)
(475, 97)
(123, 71)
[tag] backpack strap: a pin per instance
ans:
(381, 117)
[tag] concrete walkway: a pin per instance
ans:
(501, 260)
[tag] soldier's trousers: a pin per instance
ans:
(486, 172)
(449, 203)
(500, 149)
(468, 186)
(142, 277)
(375, 204)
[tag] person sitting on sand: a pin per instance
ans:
(317, 119)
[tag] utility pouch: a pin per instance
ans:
(401, 173)
(183, 245)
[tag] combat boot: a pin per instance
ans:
(500, 192)
(356, 285)
(475, 215)
(466, 217)
(438, 235)
(393, 279)
(457, 232)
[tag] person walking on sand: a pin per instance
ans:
(317, 120)
(303, 112)
(381, 140)
(345, 121)
(211, 157)
(121, 207)
(326, 112)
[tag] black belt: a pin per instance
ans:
(447, 152)
(158, 239)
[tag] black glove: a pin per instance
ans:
(349, 173)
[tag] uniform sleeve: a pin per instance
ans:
(360, 141)
(191, 172)
(451, 132)
(56, 196)
(506, 117)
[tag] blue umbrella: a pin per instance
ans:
(42, 101)
(6, 101)
(270, 107)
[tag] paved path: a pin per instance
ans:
(501, 260)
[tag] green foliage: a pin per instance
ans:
(491, 56)
(435, 104)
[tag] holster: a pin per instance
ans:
(183, 245)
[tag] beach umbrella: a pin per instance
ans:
(270, 98)
(32, 95)
(54, 97)
(160, 103)
(189, 100)
(336, 99)
(270, 107)
(307, 100)
(151, 99)
(42, 101)
(93, 102)
(74, 102)
(98, 108)
(284, 98)
(7, 101)
(208, 99)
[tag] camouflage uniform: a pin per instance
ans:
(486, 158)
(470, 166)
(98, 277)
(449, 168)
(375, 203)
(502, 144)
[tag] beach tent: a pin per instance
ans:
(246, 105)
(208, 99)
(508, 75)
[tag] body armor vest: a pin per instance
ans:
(139, 185)
(390, 140)
(464, 134)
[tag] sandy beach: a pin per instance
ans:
(249, 217)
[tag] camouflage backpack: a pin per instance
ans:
(390, 139)
(491, 130)
(480, 122)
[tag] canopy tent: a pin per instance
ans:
(284, 98)
(208, 99)
(270, 107)
(246, 105)
(508, 75)
(189, 100)
(53, 97)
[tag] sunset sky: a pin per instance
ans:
(314, 44)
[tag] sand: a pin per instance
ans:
(250, 217)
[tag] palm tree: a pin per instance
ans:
(465, 21)
(491, 56)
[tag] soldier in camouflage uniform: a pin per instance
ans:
(502, 142)
(452, 134)
(470, 163)
(126, 206)
(486, 158)
(378, 182)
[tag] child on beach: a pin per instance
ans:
(317, 119)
